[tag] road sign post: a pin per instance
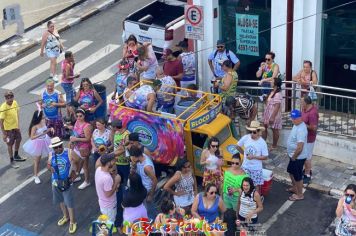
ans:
(194, 29)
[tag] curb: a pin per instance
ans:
(70, 24)
(317, 187)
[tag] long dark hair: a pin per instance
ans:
(36, 119)
(131, 38)
(278, 83)
(136, 184)
(351, 187)
(208, 187)
(214, 139)
(181, 163)
(167, 205)
(252, 186)
(88, 81)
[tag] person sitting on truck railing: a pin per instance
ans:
(121, 79)
(129, 52)
(131, 81)
(144, 97)
(172, 66)
(165, 101)
(242, 106)
(147, 62)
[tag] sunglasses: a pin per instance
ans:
(188, 166)
(230, 163)
(220, 46)
(212, 193)
(60, 146)
(256, 131)
(9, 96)
(268, 59)
(214, 146)
(349, 195)
(79, 116)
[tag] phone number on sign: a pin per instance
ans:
(243, 47)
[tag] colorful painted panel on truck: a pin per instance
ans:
(162, 137)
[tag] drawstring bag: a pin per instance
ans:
(312, 94)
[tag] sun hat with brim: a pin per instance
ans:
(255, 125)
(55, 142)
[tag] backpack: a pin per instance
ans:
(227, 51)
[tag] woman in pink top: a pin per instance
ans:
(88, 98)
(306, 77)
(272, 116)
(80, 143)
(346, 212)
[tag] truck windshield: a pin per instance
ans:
(224, 134)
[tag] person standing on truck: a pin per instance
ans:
(211, 159)
(244, 107)
(146, 169)
(147, 62)
(130, 53)
(216, 59)
(144, 97)
(188, 60)
(172, 66)
(165, 96)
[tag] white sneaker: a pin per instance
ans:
(37, 180)
(84, 185)
(82, 171)
(55, 78)
(77, 179)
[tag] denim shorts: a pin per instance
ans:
(52, 53)
(69, 91)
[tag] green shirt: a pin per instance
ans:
(231, 91)
(233, 181)
(119, 140)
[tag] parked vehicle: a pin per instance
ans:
(160, 23)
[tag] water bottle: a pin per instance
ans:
(348, 199)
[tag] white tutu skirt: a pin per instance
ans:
(38, 147)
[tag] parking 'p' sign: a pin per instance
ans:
(194, 26)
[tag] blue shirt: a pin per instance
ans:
(219, 59)
(63, 165)
(298, 134)
(50, 112)
(210, 214)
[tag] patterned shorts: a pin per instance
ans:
(13, 135)
(57, 125)
(255, 175)
(214, 177)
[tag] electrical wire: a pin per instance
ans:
(231, 41)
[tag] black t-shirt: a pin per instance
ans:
(132, 198)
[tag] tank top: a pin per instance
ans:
(211, 213)
(101, 139)
(65, 80)
(186, 184)
(63, 166)
(50, 112)
(52, 43)
(308, 78)
(86, 99)
(213, 165)
(188, 61)
(233, 86)
(146, 180)
(233, 181)
(162, 97)
(78, 131)
(247, 204)
(138, 99)
(40, 131)
(268, 71)
(119, 140)
(121, 83)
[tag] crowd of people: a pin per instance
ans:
(125, 176)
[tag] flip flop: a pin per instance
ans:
(293, 198)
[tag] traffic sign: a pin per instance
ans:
(194, 22)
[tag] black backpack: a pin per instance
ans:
(227, 51)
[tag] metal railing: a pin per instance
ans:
(336, 106)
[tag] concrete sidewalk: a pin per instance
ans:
(64, 21)
(329, 176)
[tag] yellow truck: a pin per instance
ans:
(168, 137)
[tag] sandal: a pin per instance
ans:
(295, 198)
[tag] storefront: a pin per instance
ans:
(245, 25)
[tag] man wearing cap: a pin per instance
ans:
(144, 97)
(297, 152)
(188, 60)
(165, 95)
(121, 79)
(107, 182)
(9, 123)
(217, 57)
(243, 107)
(60, 166)
(172, 66)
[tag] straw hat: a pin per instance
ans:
(55, 142)
(255, 125)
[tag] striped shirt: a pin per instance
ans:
(247, 204)
(244, 108)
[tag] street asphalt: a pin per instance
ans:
(29, 206)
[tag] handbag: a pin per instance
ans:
(312, 93)
(62, 184)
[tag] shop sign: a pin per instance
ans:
(247, 34)
(194, 22)
(205, 118)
